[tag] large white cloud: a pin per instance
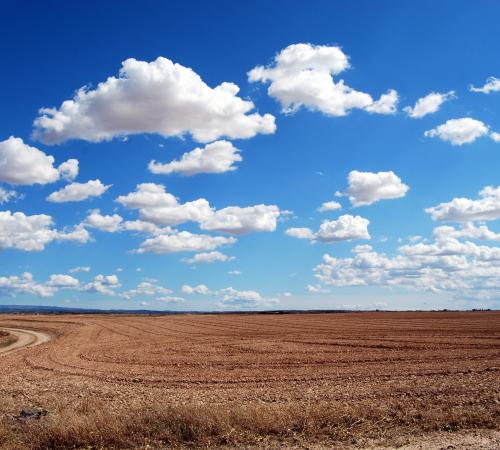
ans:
(217, 157)
(302, 76)
(492, 85)
(152, 97)
(157, 206)
(184, 241)
(365, 188)
(461, 209)
(345, 228)
(448, 266)
(33, 233)
(76, 192)
(238, 220)
(459, 131)
(428, 104)
(24, 165)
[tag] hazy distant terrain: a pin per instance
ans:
(352, 380)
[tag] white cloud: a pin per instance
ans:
(102, 284)
(207, 258)
(108, 223)
(62, 281)
(157, 206)
(156, 97)
(329, 206)
(217, 157)
(80, 269)
(446, 266)
(24, 284)
(345, 228)
(459, 131)
(237, 220)
(302, 77)
(201, 289)
(316, 289)
(386, 104)
(495, 136)
(76, 192)
(146, 288)
(69, 169)
(468, 231)
(492, 85)
(7, 195)
(33, 233)
(300, 233)
(24, 165)
(234, 272)
(487, 207)
(428, 104)
(183, 241)
(147, 195)
(365, 188)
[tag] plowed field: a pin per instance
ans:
(401, 374)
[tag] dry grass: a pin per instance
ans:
(90, 425)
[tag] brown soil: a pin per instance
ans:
(357, 380)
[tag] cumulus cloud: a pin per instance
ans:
(104, 223)
(447, 265)
(159, 97)
(487, 207)
(183, 241)
(469, 231)
(201, 289)
(76, 192)
(208, 257)
(495, 136)
(230, 297)
(217, 157)
(492, 85)
(428, 104)
(170, 299)
(329, 206)
(69, 169)
(157, 206)
(24, 165)
(365, 188)
(302, 76)
(237, 220)
(33, 233)
(234, 272)
(459, 131)
(24, 284)
(102, 284)
(63, 281)
(146, 288)
(345, 228)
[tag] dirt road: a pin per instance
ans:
(25, 338)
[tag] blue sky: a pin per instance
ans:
(252, 95)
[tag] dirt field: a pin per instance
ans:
(302, 380)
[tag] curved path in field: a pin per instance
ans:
(25, 338)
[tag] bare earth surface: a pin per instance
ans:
(416, 380)
(22, 339)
